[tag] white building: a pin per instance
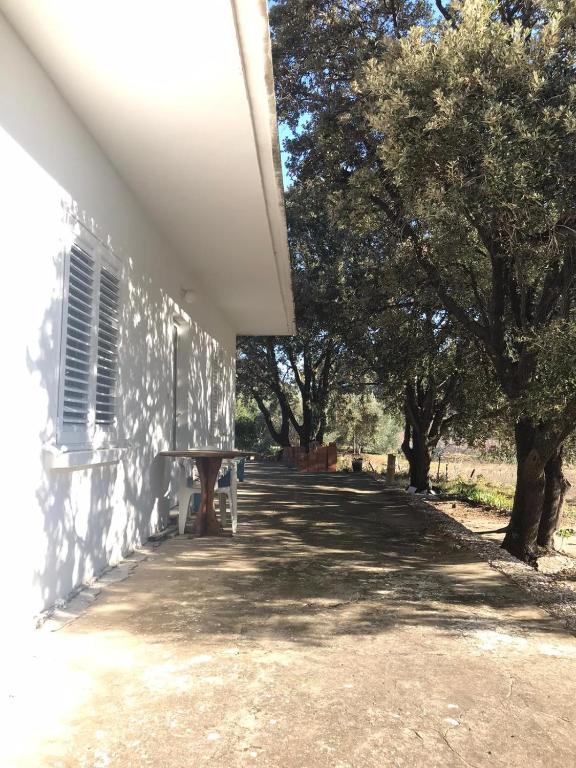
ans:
(142, 228)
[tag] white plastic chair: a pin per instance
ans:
(227, 490)
(227, 496)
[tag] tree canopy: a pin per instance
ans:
(444, 134)
(297, 374)
(476, 122)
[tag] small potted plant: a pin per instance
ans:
(357, 463)
(356, 456)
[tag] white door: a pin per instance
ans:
(181, 350)
(180, 427)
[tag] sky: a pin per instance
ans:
(283, 133)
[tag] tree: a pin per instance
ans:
(298, 373)
(436, 377)
(295, 373)
(319, 47)
(455, 140)
(251, 431)
(477, 122)
(360, 422)
(399, 339)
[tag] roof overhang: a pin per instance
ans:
(180, 97)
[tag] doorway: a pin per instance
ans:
(174, 438)
(180, 426)
(180, 432)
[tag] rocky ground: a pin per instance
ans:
(552, 584)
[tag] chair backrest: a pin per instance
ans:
(225, 479)
(191, 472)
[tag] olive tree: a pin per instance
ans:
(476, 126)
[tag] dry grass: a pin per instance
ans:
(488, 482)
(498, 474)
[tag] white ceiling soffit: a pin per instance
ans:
(179, 94)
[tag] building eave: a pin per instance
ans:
(182, 104)
(254, 42)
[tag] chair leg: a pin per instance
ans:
(183, 504)
(234, 512)
(222, 508)
(234, 496)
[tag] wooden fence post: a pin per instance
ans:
(391, 468)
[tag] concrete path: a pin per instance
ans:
(335, 630)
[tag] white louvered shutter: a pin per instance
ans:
(107, 352)
(88, 400)
(79, 325)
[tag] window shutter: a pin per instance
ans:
(91, 313)
(76, 402)
(107, 355)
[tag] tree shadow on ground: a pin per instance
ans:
(318, 557)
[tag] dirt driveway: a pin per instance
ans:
(335, 631)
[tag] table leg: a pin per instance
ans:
(207, 523)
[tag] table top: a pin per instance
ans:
(207, 453)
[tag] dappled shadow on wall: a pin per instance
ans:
(92, 515)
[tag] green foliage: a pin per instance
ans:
(501, 452)
(448, 146)
(394, 328)
(480, 492)
(476, 128)
(388, 434)
(360, 423)
(251, 431)
(292, 378)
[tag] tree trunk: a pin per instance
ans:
(416, 450)
(522, 533)
(554, 492)
(305, 432)
(321, 428)
(420, 465)
(281, 436)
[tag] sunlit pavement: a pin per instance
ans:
(334, 630)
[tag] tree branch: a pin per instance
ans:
(434, 276)
(557, 280)
(264, 410)
(446, 13)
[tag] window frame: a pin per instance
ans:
(77, 437)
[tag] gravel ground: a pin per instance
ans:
(555, 592)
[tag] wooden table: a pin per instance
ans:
(208, 462)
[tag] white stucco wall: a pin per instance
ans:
(71, 523)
